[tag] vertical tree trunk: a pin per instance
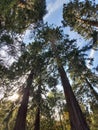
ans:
(22, 112)
(77, 119)
(37, 119)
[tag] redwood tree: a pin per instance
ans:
(55, 37)
(22, 112)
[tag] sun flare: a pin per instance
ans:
(14, 97)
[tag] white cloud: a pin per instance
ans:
(53, 6)
(91, 56)
(92, 53)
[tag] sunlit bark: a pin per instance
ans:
(22, 112)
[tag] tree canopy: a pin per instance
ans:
(55, 90)
(82, 17)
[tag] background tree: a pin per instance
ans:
(82, 17)
(84, 73)
(53, 36)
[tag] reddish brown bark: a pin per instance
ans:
(22, 112)
(77, 119)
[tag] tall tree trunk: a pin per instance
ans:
(22, 112)
(37, 119)
(92, 89)
(77, 119)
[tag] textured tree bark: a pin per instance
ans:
(22, 112)
(77, 119)
(37, 119)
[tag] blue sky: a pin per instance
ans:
(54, 8)
(54, 16)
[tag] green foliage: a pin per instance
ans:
(6, 38)
(81, 17)
(7, 115)
(82, 77)
(17, 16)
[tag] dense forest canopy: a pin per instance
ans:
(48, 86)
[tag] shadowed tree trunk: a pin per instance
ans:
(22, 112)
(76, 117)
(37, 119)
